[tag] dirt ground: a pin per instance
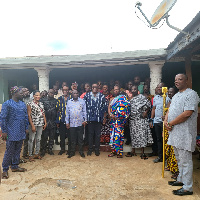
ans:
(92, 178)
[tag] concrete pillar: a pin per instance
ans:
(43, 75)
(1, 87)
(155, 74)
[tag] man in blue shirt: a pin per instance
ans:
(156, 115)
(96, 108)
(75, 120)
(14, 124)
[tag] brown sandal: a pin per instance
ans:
(31, 159)
(37, 157)
(119, 156)
(5, 175)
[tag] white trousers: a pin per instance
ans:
(185, 166)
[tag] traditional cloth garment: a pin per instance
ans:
(172, 164)
(120, 108)
(14, 90)
(139, 127)
(105, 128)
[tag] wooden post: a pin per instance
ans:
(188, 70)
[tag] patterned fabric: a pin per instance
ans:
(37, 113)
(105, 128)
(158, 103)
(75, 112)
(14, 89)
(14, 120)
(183, 135)
(12, 155)
(120, 107)
(172, 164)
(61, 105)
(95, 106)
(50, 111)
(140, 131)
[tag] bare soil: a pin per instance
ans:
(93, 177)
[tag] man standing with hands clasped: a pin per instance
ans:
(75, 120)
(181, 122)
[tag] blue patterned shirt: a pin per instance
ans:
(14, 120)
(61, 106)
(95, 106)
(75, 112)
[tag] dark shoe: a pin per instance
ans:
(127, 142)
(89, 153)
(97, 153)
(158, 160)
(42, 154)
(182, 192)
(61, 152)
(143, 156)
(19, 169)
(5, 175)
(152, 154)
(25, 156)
(51, 152)
(82, 155)
(175, 183)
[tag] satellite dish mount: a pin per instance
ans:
(160, 13)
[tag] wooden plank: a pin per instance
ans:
(188, 70)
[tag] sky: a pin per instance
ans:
(77, 27)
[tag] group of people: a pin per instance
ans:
(94, 114)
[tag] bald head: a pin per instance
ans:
(181, 82)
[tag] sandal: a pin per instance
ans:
(5, 175)
(31, 159)
(112, 154)
(143, 156)
(19, 169)
(119, 156)
(22, 161)
(130, 154)
(37, 157)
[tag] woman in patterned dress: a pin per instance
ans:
(118, 109)
(139, 126)
(105, 127)
(37, 122)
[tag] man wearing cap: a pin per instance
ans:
(14, 124)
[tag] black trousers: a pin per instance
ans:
(64, 132)
(76, 134)
(154, 145)
(127, 133)
(86, 135)
(158, 130)
(47, 139)
(94, 133)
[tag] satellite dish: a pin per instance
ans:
(160, 13)
(162, 10)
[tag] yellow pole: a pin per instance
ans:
(164, 91)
